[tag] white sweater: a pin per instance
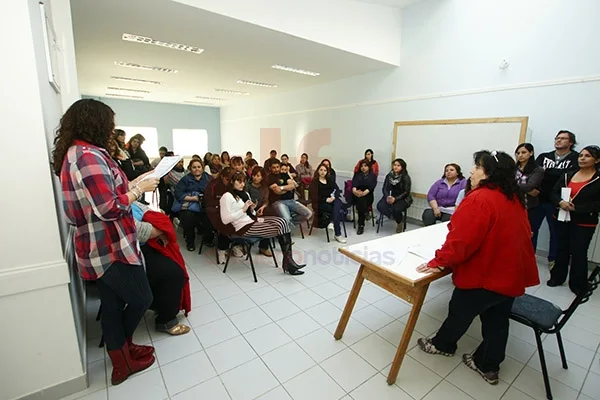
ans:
(232, 212)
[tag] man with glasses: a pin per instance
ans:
(555, 163)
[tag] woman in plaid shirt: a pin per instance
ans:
(96, 199)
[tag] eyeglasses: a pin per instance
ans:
(560, 138)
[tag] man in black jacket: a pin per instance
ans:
(555, 163)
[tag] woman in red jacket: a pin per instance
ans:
(489, 250)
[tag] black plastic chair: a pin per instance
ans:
(370, 210)
(247, 243)
(380, 221)
(546, 317)
(344, 214)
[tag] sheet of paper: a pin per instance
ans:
(165, 165)
(448, 210)
(565, 195)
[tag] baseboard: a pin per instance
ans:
(33, 277)
(59, 391)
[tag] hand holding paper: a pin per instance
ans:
(163, 168)
(565, 195)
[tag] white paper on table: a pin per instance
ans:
(448, 210)
(424, 252)
(164, 166)
(565, 195)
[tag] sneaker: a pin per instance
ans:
(237, 251)
(340, 239)
(191, 247)
(266, 252)
(399, 228)
(551, 264)
(490, 377)
(222, 256)
(360, 230)
(427, 346)
(330, 226)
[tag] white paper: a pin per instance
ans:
(164, 166)
(565, 195)
(448, 210)
(424, 252)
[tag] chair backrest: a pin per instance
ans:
(348, 191)
(593, 282)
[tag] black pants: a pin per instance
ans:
(192, 221)
(166, 280)
(121, 285)
(573, 242)
(362, 207)
(493, 310)
(429, 217)
(222, 242)
(395, 210)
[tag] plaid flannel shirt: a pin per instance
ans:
(96, 203)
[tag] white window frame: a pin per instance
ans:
(187, 142)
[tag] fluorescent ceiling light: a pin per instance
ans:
(296, 70)
(252, 83)
(210, 98)
(176, 46)
(129, 96)
(128, 90)
(198, 103)
(145, 67)
(125, 79)
(232, 92)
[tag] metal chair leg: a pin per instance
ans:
(301, 230)
(228, 256)
(372, 217)
(538, 339)
(327, 234)
(310, 230)
(353, 217)
(344, 225)
(251, 261)
(379, 222)
(201, 245)
(561, 349)
(273, 254)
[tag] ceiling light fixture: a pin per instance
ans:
(210, 98)
(198, 103)
(145, 67)
(253, 83)
(232, 92)
(125, 79)
(128, 90)
(296, 70)
(128, 37)
(129, 96)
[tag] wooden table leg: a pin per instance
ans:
(408, 330)
(358, 281)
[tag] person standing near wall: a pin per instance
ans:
(97, 201)
(555, 163)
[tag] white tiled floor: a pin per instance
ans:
(273, 340)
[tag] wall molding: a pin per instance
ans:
(33, 277)
(431, 96)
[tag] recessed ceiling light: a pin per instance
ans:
(210, 98)
(145, 67)
(176, 46)
(198, 103)
(125, 79)
(128, 90)
(296, 70)
(129, 96)
(232, 92)
(252, 83)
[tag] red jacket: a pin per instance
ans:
(489, 245)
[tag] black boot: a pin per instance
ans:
(288, 264)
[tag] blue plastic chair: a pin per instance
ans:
(247, 243)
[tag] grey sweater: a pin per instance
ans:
(143, 229)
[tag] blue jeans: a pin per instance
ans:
(335, 209)
(544, 210)
(292, 211)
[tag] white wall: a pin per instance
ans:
(451, 51)
(369, 30)
(39, 344)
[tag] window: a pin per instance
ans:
(187, 142)
(150, 145)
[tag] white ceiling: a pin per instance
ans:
(390, 3)
(233, 50)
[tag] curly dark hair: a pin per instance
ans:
(87, 119)
(500, 169)
(456, 167)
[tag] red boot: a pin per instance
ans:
(124, 365)
(138, 351)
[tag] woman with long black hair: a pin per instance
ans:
(97, 201)
(529, 178)
(396, 193)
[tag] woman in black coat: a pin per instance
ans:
(396, 193)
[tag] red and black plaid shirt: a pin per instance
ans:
(96, 203)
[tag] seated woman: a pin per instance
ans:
(324, 195)
(141, 162)
(225, 159)
(304, 170)
(206, 161)
(331, 174)
(215, 165)
(285, 159)
(165, 269)
(249, 166)
(259, 194)
(188, 203)
(574, 236)
(237, 164)
(396, 193)
(237, 209)
(363, 185)
(442, 195)
(489, 249)
(370, 160)
(463, 193)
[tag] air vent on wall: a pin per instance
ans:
(170, 45)
(232, 92)
(210, 98)
(128, 96)
(128, 90)
(295, 70)
(125, 79)
(145, 67)
(253, 83)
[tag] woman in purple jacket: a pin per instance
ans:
(442, 195)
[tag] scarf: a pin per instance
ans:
(394, 179)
